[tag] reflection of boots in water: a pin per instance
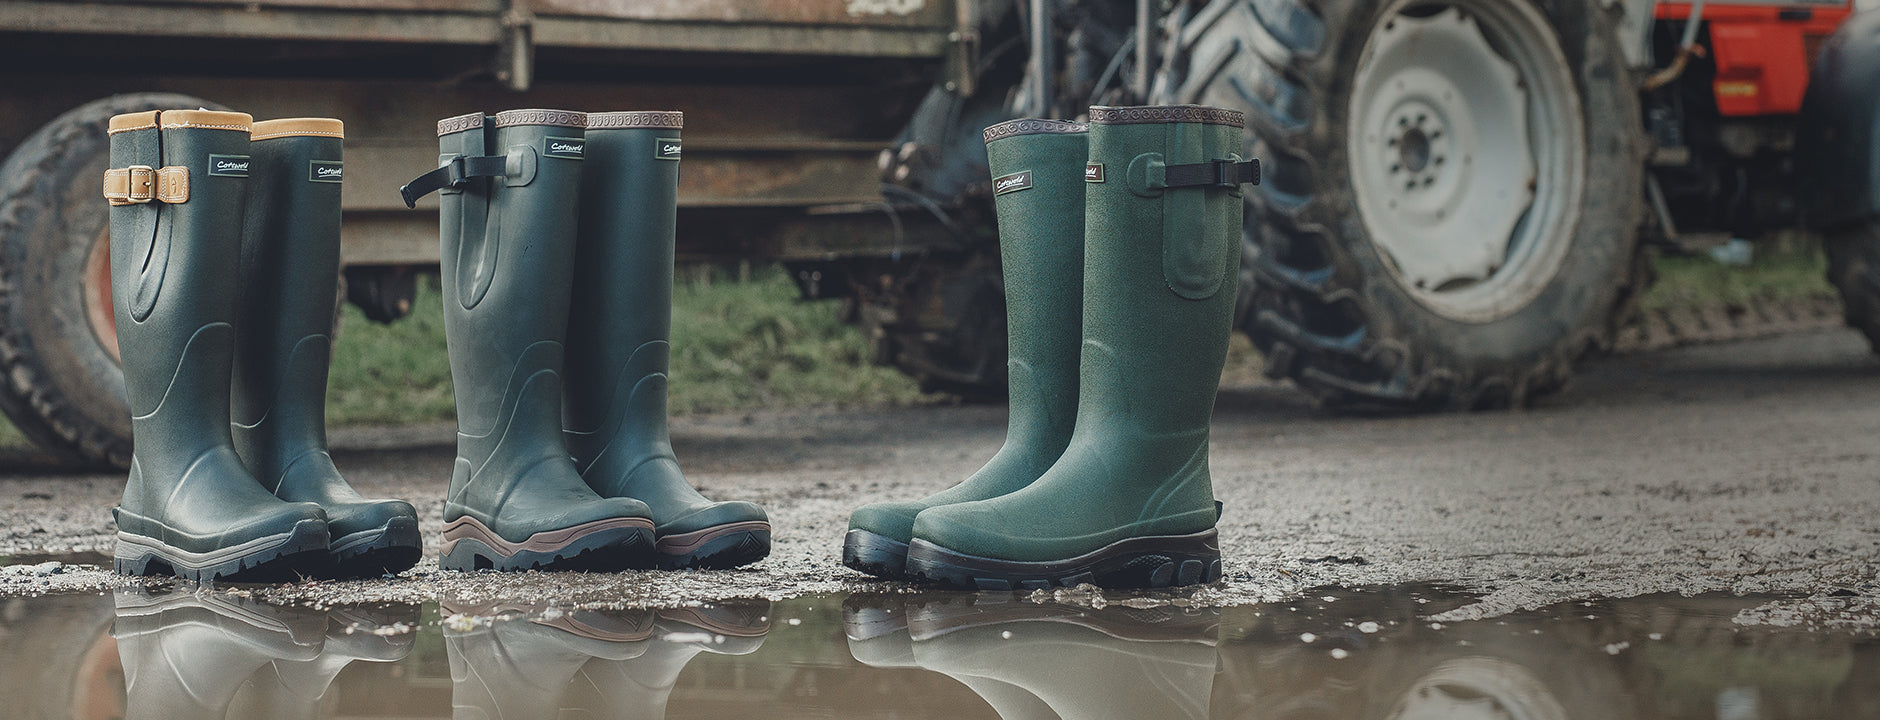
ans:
(1085, 664)
(638, 688)
(877, 632)
(516, 662)
(185, 656)
(288, 688)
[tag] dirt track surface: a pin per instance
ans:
(1750, 467)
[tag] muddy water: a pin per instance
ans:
(1337, 654)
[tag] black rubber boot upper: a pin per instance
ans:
(289, 273)
(190, 506)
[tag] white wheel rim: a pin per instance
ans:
(1478, 688)
(1467, 153)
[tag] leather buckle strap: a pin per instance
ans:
(1220, 173)
(139, 184)
(453, 174)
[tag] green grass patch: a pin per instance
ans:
(1779, 271)
(392, 374)
(750, 343)
(737, 345)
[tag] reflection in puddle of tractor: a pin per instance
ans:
(1371, 654)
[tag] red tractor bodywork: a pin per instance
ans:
(1762, 52)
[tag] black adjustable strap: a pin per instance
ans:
(453, 174)
(1223, 173)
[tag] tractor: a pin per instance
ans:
(1462, 196)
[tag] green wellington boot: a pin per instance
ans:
(619, 347)
(1130, 503)
(176, 190)
(516, 500)
(1038, 191)
(289, 267)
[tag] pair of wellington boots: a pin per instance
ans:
(209, 655)
(557, 261)
(1048, 662)
(588, 664)
(224, 270)
(1121, 246)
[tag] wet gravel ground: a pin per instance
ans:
(1750, 467)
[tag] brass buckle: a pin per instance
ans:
(136, 175)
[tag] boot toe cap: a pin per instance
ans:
(892, 520)
(700, 517)
(348, 518)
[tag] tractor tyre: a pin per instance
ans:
(1452, 192)
(1854, 267)
(60, 381)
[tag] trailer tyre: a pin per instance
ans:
(1854, 267)
(60, 382)
(1448, 219)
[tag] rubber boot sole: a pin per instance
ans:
(602, 546)
(1144, 562)
(386, 550)
(875, 554)
(716, 548)
(282, 556)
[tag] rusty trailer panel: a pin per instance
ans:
(764, 149)
(847, 28)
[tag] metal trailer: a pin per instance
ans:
(788, 105)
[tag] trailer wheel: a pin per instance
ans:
(60, 382)
(1854, 267)
(1452, 191)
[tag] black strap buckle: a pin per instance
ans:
(1217, 173)
(453, 174)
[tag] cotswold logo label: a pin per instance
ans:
(1093, 172)
(228, 165)
(666, 149)
(326, 171)
(1011, 183)
(561, 147)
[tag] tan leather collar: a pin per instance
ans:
(132, 121)
(205, 119)
(298, 127)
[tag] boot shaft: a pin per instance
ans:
(172, 257)
(1037, 168)
(620, 320)
(289, 275)
(507, 252)
(1161, 263)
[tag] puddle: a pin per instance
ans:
(1341, 654)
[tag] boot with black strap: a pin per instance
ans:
(516, 501)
